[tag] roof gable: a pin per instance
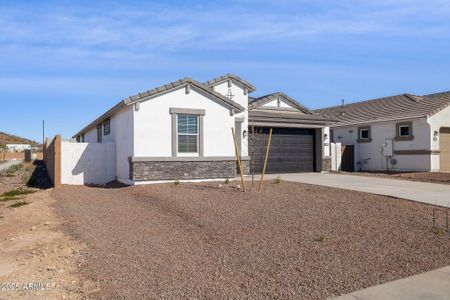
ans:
(399, 107)
(232, 77)
(261, 101)
(178, 84)
(158, 91)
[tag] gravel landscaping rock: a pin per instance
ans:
(204, 241)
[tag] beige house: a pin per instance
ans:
(398, 133)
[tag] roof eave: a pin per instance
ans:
(103, 117)
(230, 103)
(251, 88)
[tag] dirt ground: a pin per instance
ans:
(210, 241)
(431, 177)
(37, 261)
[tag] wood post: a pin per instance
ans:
(238, 156)
(265, 160)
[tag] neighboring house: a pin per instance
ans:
(182, 130)
(398, 133)
(17, 147)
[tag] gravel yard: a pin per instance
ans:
(205, 241)
(431, 177)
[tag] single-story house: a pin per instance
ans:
(182, 130)
(398, 133)
(17, 147)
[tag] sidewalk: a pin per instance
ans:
(433, 285)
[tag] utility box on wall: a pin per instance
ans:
(388, 148)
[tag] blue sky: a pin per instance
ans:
(68, 62)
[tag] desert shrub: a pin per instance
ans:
(277, 180)
(18, 192)
(18, 204)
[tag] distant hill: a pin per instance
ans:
(12, 139)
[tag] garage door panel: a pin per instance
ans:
(291, 150)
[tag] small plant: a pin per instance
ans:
(320, 238)
(227, 181)
(8, 198)
(18, 204)
(18, 192)
(277, 180)
(177, 182)
(438, 231)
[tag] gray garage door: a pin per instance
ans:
(291, 150)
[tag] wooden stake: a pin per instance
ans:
(265, 160)
(238, 156)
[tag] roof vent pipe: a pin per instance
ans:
(342, 107)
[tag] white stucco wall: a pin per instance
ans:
(87, 163)
(153, 128)
(326, 142)
(242, 99)
(121, 133)
(236, 89)
(274, 104)
(91, 136)
(370, 155)
(439, 120)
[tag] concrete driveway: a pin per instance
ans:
(430, 193)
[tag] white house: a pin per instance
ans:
(17, 147)
(182, 130)
(398, 133)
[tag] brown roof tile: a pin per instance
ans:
(405, 106)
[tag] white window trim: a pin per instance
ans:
(360, 134)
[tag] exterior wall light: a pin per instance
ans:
(325, 136)
(435, 135)
(244, 134)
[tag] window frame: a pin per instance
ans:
(200, 113)
(197, 134)
(369, 134)
(400, 137)
(99, 133)
(107, 127)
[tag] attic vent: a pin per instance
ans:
(413, 97)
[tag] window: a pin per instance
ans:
(99, 133)
(107, 127)
(364, 134)
(187, 133)
(404, 131)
